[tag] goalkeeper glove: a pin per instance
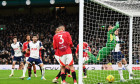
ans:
(117, 24)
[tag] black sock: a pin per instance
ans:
(74, 75)
(29, 70)
(63, 76)
(67, 70)
(85, 71)
(59, 74)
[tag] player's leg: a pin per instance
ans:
(84, 71)
(30, 60)
(105, 51)
(55, 80)
(13, 67)
(40, 63)
(70, 63)
(29, 69)
(127, 67)
(67, 71)
(62, 61)
(34, 68)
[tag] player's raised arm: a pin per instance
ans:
(115, 28)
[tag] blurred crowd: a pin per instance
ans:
(44, 25)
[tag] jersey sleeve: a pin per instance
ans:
(70, 39)
(20, 44)
(40, 44)
(23, 48)
(54, 43)
(28, 46)
(12, 51)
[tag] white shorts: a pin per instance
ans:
(85, 59)
(57, 58)
(66, 60)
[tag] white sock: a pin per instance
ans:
(43, 71)
(12, 71)
(120, 72)
(24, 70)
(128, 68)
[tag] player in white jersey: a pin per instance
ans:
(34, 47)
(16, 53)
(119, 58)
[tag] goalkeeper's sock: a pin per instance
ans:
(59, 74)
(29, 70)
(73, 75)
(120, 72)
(85, 71)
(128, 68)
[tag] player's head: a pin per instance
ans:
(110, 27)
(116, 32)
(61, 28)
(35, 38)
(28, 37)
(56, 31)
(14, 39)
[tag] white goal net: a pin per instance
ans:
(99, 16)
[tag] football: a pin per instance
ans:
(110, 78)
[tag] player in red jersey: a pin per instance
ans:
(67, 70)
(62, 44)
(85, 56)
(25, 45)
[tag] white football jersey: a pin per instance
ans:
(17, 49)
(34, 49)
(117, 48)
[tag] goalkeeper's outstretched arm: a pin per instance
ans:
(105, 51)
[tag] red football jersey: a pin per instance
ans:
(62, 43)
(85, 46)
(25, 45)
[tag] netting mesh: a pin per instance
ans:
(96, 19)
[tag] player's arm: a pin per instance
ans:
(70, 40)
(12, 52)
(76, 52)
(23, 48)
(115, 28)
(20, 44)
(41, 46)
(28, 49)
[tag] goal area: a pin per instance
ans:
(95, 17)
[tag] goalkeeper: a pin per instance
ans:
(110, 45)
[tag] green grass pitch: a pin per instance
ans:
(93, 77)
